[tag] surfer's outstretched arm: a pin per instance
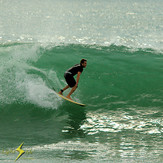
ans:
(77, 78)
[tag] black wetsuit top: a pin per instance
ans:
(71, 72)
(75, 69)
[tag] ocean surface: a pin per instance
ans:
(122, 85)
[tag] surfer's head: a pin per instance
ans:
(83, 63)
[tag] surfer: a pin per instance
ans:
(69, 77)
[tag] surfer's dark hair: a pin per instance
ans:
(82, 61)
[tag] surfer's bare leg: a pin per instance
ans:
(71, 92)
(61, 91)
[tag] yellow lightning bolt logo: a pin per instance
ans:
(21, 152)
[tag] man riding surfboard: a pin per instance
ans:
(69, 77)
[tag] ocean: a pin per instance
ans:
(122, 85)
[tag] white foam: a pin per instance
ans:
(36, 91)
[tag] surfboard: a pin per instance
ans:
(65, 98)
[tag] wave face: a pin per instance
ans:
(121, 85)
(28, 71)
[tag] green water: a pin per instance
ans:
(122, 91)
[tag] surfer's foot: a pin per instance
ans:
(69, 97)
(61, 92)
